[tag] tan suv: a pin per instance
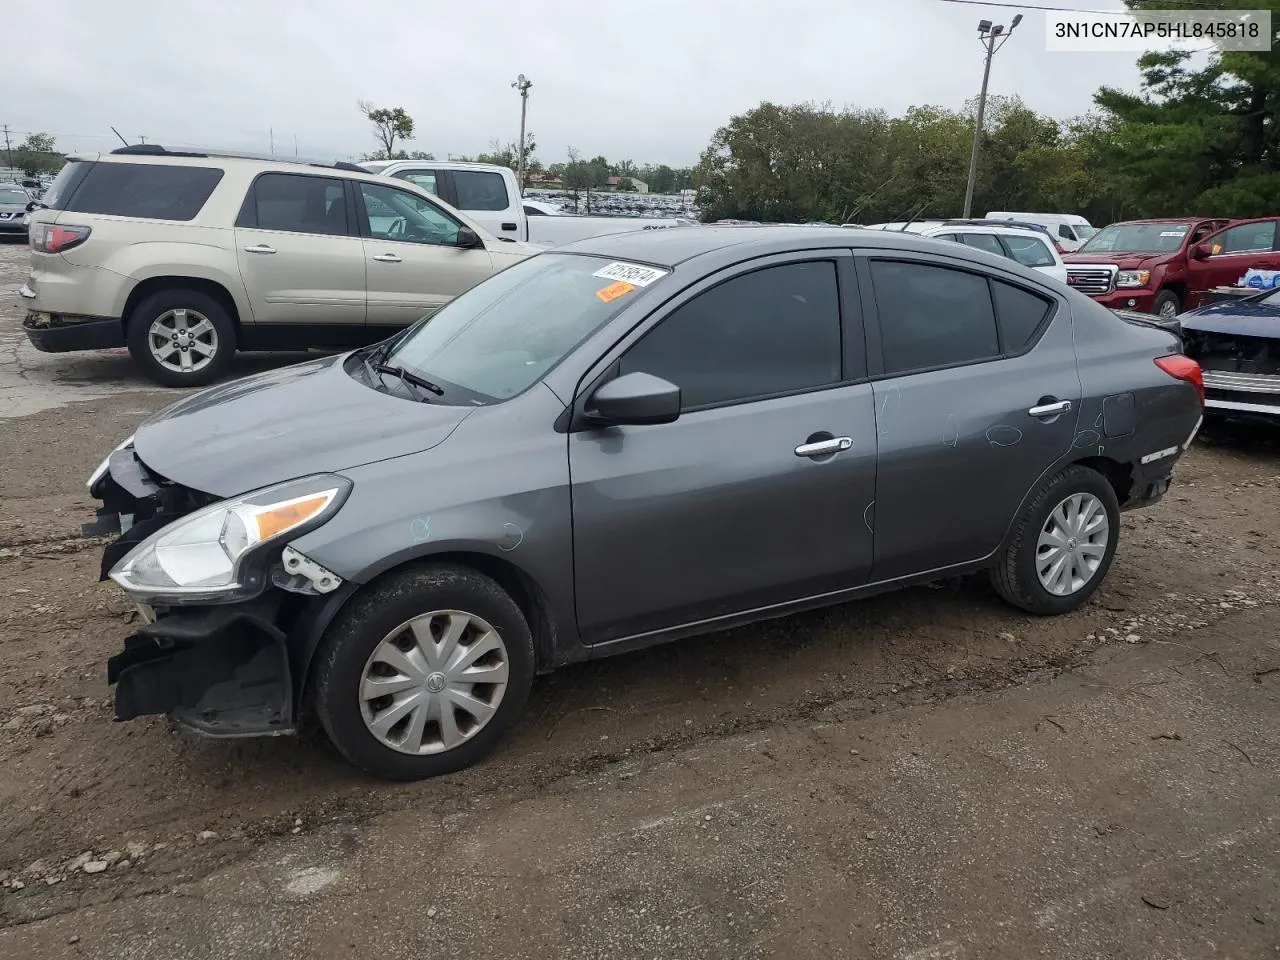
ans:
(186, 257)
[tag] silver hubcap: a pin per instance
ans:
(433, 682)
(182, 340)
(1168, 309)
(1072, 544)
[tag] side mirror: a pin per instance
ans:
(636, 398)
(468, 239)
(1202, 251)
(32, 205)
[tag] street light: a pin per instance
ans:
(522, 83)
(992, 37)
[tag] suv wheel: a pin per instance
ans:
(423, 674)
(1062, 544)
(181, 338)
(1166, 305)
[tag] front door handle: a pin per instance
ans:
(1050, 409)
(508, 226)
(823, 448)
(260, 248)
(387, 258)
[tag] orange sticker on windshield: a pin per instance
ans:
(614, 290)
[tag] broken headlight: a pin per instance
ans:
(205, 557)
(101, 469)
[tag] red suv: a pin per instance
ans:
(1165, 266)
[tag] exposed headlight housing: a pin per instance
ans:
(206, 556)
(101, 470)
(1133, 278)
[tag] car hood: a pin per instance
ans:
(1125, 261)
(13, 208)
(1249, 319)
(271, 427)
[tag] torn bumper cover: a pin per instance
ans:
(220, 671)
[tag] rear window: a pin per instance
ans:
(478, 190)
(151, 191)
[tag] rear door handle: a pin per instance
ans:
(260, 248)
(1050, 409)
(387, 258)
(508, 226)
(822, 448)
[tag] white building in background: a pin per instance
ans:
(640, 185)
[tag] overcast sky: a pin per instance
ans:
(647, 81)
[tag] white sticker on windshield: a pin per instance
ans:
(1173, 233)
(632, 273)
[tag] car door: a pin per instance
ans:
(976, 395)
(300, 256)
(756, 495)
(415, 265)
(1237, 249)
(483, 196)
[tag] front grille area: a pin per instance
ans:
(1255, 383)
(1095, 280)
(1238, 357)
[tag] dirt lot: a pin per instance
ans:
(925, 776)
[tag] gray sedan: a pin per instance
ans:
(631, 440)
(13, 209)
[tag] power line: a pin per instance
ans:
(1028, 6)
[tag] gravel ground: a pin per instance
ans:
(927, 775)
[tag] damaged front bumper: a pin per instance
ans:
(231, 669)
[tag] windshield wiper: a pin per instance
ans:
(407, 377)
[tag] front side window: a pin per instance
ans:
(772, 331)
(297, 203)
(984, 241)
(153, 191)
(1246, 238)
(1029, 251)
(399, 215)
(932, 316)
(480, 190)
(426, 179)
(504, 334)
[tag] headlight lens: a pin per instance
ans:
(1133, 278)
(101, 469)
(201, 556)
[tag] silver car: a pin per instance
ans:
(14, 201)
(635, 439)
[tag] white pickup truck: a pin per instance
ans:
(489, 195)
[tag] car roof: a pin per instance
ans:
(986, 228)
(195, 156)
(671, 246)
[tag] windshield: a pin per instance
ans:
(14, 196)
(503, 335)
(1138, 238)
(1084, 231)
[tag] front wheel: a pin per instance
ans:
(1062, 544)
(1166, 305)
(181, 338)
(423, 674)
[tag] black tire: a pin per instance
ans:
(350, 641)
(1014, 574)
(1162, 302)
(145, 313)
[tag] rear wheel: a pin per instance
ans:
(1167, 305)
(424, 673)
(1062, 544)
(181, 338)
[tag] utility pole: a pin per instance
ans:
(271, 132)
(522, 83)
(8, 148)
(992, 37)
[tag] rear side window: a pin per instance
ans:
(984, 241)
(1020, 314)
(479, 190)
(152, 191)
(296, 203)
(1029, 251)
(932, 316)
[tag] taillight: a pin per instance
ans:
(1183, 368)
(55, 238)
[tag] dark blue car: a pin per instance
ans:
(1237, 344)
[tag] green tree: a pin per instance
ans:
(389, 125)
(625, 185)
(37, 155)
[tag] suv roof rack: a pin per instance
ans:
(156, 150)
(985, 222)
